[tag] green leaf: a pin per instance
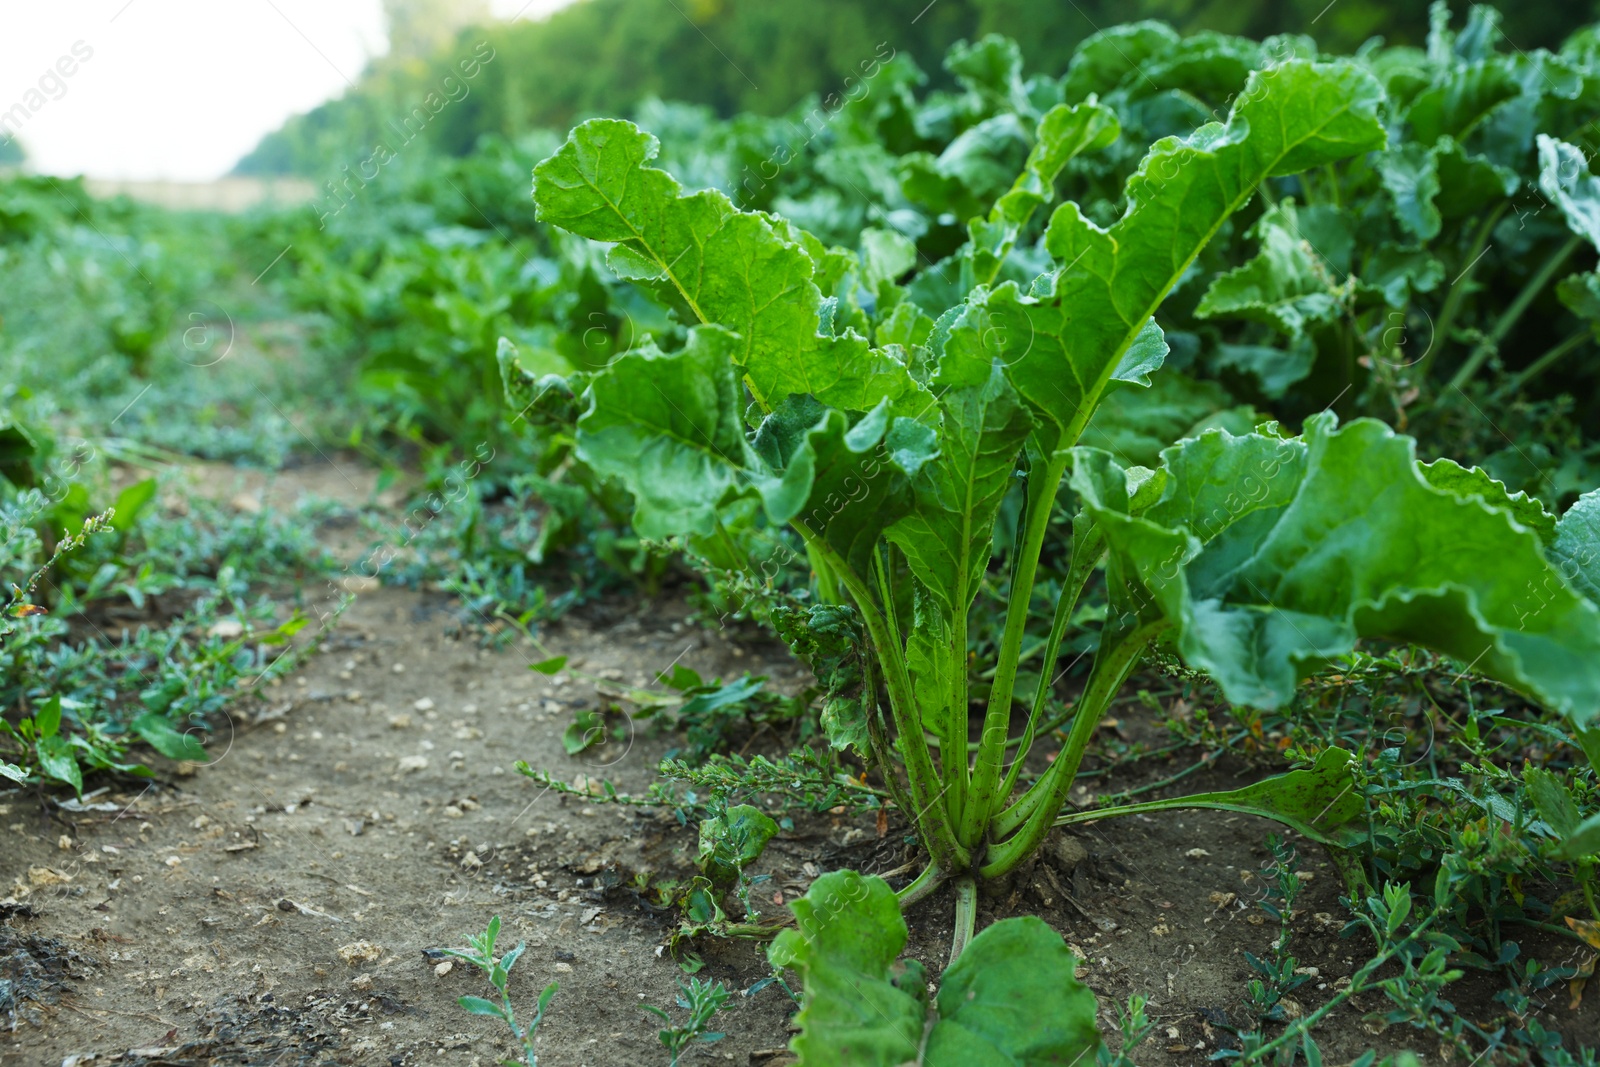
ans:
(1270, 557)
(510, 959)
(12, 771)
(1469, 482)
(1012, 998)
(1410, 173)
(1469, 183)
(1461, 98)
(552, 665)
(47, 720)
(1276, 369)
(1395, 273)
(131, 503)
(992, 70)
(930, 655)
(718, 697)
(1136, 424)
(732, 841)
(479, 1006)
(1589, 741)
(1581, 294)
(56, 760)
(845, 483)
(1107, 59)
(19, 455)
(587, 729)
(1582, 842)
(946, 538)
(1286, 285)
(828, 637)
(668, 426)
(1063, 133)
(715, 264)
(973, 170)
(1576, 549)
(848, 933)
(1320, 801)
(1063, 345)
(1552, 800)
(544, 396)
(1564, 177)
(158, 732)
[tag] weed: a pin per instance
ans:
(480, 954)
(701, 1000)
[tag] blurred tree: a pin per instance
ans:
(419, 29)
(604, 56)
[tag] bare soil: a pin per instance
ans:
(282, 904)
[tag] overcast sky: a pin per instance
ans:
(179, 88)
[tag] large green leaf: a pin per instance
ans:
(1010, 1000)
(1270, 557)
(973, 170)
(1452, 477)
(715, 264)
(1064, 132)
(1065, 342)
(668, 426)
(947, 537)
(1108, 58)
(1461, 99)
(1285, 285)
(845, 483)
(848, 932)
(1136, 424)
(1576, 549)
(1564, 177)
(1410, 173)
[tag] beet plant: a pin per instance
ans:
(889, 449)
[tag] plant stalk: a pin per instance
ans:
(1458, 292)
(922, 886)
(966, 916)
(930, 816)
(1508, 318)
(1088, 545)
(1037, 810)
(984, 795)
(1543, 363)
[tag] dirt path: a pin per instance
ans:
(374, 802)
(278, 906)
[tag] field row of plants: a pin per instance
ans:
(1220, 367)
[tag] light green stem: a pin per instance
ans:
(966, 916)
(827, 587)
(984, 797)
(1045, 798)
(1458, 292)
(930, 817)
(1536, 285)
(923, 885)
(1088, 545)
